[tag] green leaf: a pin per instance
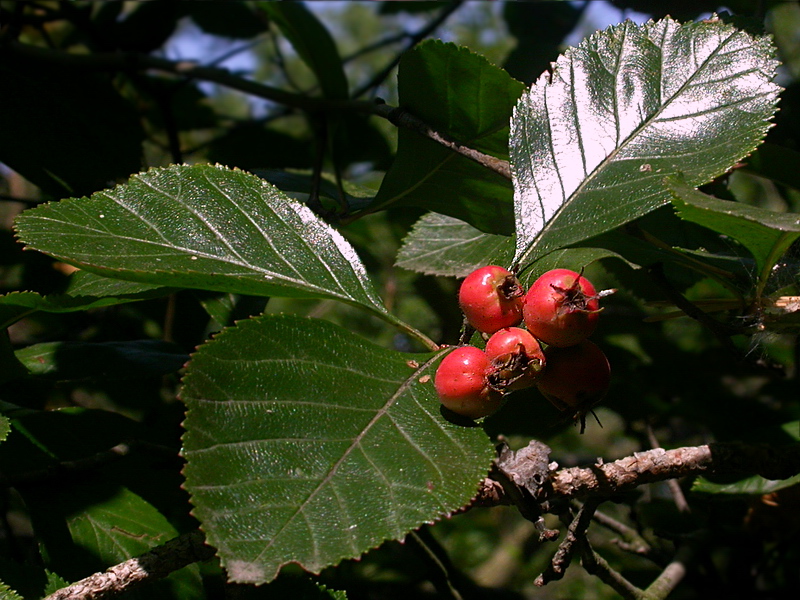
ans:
(83, 521)
(54, 583)
(305, 443)
(116, 291)
(755, 485)
(89, 526)
(442, 245)
(205, 227)
(85, 291)
(566, 258)
(460, 94)
(592, 142)
(41, 439)
(296, 588)
(312, 42)
(5, 427)
(766, 234)
(299, 185)
(28, 581)
(6, 593)
(226, 309)
(103, 360)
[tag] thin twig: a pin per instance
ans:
(576, 535)
(403, 118)
(721, 331)
(730, 458)
(443, 575)
(632, 541)
(599, 567)
(131, 61)
(671, 576)
(156, 564)
(674, 485)
(413, 40)
(67, 468)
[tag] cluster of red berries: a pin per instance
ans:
(559, 310)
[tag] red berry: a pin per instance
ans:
(517, 359)
(491, 298)
(576, 378)
(561, 308)
(462, 385)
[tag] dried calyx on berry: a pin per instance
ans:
(491, 298)
(516, 357)
(561, 308)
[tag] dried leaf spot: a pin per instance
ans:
(242, 571)
(425, 379)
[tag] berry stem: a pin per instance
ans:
(413, 332)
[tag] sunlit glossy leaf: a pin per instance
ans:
(205, 227)
(305, 443)
(592, 141)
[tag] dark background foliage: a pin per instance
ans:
(78, 381)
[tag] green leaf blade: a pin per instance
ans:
(765, 233)
(442, 245)
(73, 361)
(592, 141)
(462, 95)
(205, 227)
(289, 461)
(312, 42)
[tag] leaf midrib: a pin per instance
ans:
(380, 413)
(617, 150)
